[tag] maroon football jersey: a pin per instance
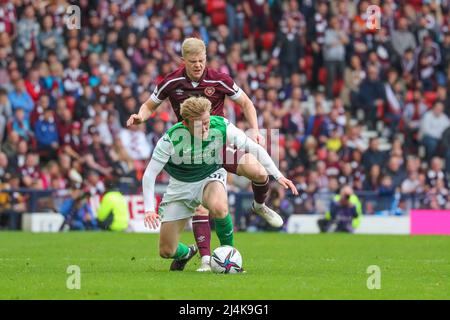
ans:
(213, 85)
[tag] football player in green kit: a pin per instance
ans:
(190, 152)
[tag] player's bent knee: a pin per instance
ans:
(255, 172)
(166, 252)
(219, 210)
(260, 177)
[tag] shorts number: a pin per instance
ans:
(218, 176)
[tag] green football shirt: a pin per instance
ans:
(190, 158)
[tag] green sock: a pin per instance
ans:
(182, 251)
(224, 230)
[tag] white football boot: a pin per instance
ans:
(272, 218)
(206, 265)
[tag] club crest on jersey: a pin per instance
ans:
(209, 91)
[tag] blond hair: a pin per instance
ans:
(192, 46)
(194, 107)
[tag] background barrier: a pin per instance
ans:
(430, 222)
(301, 213)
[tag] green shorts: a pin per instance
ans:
(181, 198)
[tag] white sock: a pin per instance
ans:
(206, 259)
(257, 205)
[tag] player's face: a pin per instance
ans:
(199, 127)
(195, 65)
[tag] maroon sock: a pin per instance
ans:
(202, 234)
(260, 191)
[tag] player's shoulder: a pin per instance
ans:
(212, 74)
(176, 127)
(219, 120)
(175, 75)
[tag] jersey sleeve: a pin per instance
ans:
(241, 141)
(161, 92)
(163, 150)
(161, 155)
(148, 184)
(232, 90)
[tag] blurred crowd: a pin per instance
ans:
(355, 105)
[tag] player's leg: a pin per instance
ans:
(215, 199)
(202, 228)
(202, 235)
(249, 167)
(169, 245)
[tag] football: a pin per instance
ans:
(226, 259)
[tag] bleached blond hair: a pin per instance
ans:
(192, 46)
(195, 107)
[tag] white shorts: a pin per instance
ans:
(181, 198)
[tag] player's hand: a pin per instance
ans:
(260, 139)
(287, 184)
(151, 220)
(257, 137)
(134, 120)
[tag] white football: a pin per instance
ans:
(226, 259)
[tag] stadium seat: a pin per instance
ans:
(219, 18)
(430, 98)
(215, 6)
(70, 102)
(323, 76)
(380, 110)
(296, 145)
(282, 141)
(267, 40)
(409, 96)
(246, 30)
(308, 66)
(337, 87)
(140, 168)
(216, 10)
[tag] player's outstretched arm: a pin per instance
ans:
(161, 155)
(238, 137)
(250, 115)
(146, 110)
(151, 219)
(287, 184)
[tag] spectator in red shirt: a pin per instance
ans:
(33, 85)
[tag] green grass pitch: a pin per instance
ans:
(279, 266)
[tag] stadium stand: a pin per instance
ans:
(368, 108)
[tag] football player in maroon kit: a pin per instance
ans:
(195, 79)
